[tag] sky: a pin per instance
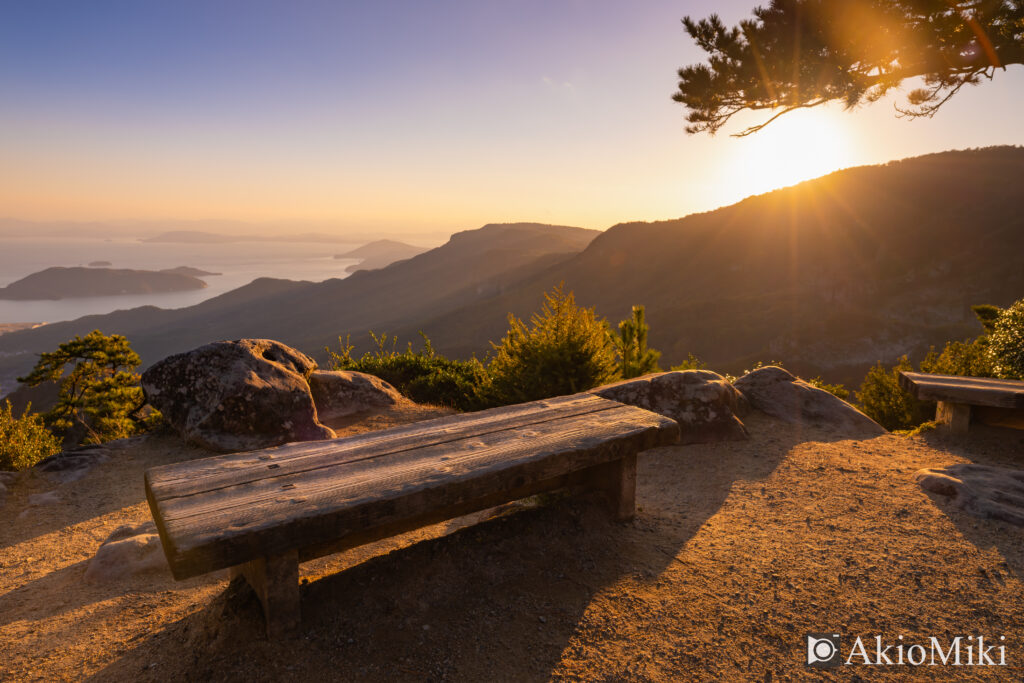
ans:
(405, 116)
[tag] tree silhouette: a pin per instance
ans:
(796, 54)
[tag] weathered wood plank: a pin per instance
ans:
(979, 391)
(432, 465)
(257, 518)
(187, 478)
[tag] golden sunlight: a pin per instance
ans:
(797, 147)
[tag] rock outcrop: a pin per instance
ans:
(72, 464)
(129, 550)
(980, 490)
(340, 393)
(774, 391)
(237, 395)
(703, 403)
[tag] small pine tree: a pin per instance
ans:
(566, 349)
(99, 394)
(635, 358)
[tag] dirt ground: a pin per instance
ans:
(738, 550)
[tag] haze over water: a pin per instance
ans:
(238, 262)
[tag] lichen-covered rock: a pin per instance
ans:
(129, 550)
(72, 464)
(341, 393)
(703, 403)
(980, 490)
(778, 393)
(237, 395)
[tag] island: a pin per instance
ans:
(81, 282)
(379, 253)
(189, 270)
(100, 264)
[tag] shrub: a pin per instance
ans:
(423, 376)
(1006, 343)
(635, 358)
(566, 349)
(100, 394)
(837, 390)
(691, 363)
(24, 440)
(960, 358)
(884, 401)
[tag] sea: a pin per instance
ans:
(238, 263)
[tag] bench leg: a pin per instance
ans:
(276, 583)
(618, 480)
(956, 415)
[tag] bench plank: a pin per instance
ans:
(402, 475)
(188, 478)
(978, 391)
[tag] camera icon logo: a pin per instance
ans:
(823, 650)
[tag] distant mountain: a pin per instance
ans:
(828, 276)
(77, 282)
(472, 266)
(379, 253)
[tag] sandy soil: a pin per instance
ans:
(738, 551)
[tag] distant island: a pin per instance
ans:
(100, 264)
(80, 282)
(189, 270)
(379, 253)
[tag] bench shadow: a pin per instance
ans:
(995, 447)
(500, 600)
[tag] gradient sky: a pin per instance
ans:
(404, 116)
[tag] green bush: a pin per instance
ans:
(837, 390)
(100, 395)
(884, 401)
(423, 376)
(1006, 343)
(635, 358)
(565, 350)
(24, 440)
(969, 359)
(691, 363)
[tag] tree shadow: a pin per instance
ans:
(96, 493)
(499, 600)
(995, 447)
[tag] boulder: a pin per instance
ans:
(980, 490)
(341, 393)
(774, 391)
(73, 464)
(703, 403)
(237, 395)
(129, 550)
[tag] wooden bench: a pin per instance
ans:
(263, 512)
(993, 401)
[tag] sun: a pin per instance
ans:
(798, 146)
